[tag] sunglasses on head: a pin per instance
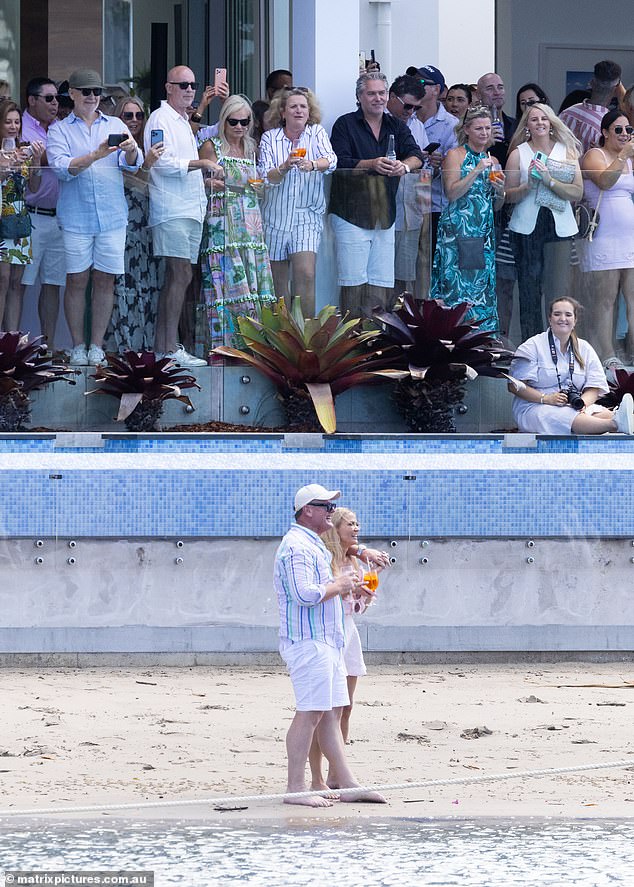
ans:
(90, 90)
(132, 115)
(303, 89)
(329, 506)
(620, 129)
(184, 84)
(47, 98)
(407, 106)
(238, 121)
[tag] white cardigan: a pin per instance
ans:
(525, 212)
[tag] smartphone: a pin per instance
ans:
(539, 155)
(431, 147)
(156, 136)
(220, 77)
(115, 139)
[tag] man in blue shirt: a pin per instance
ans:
(92, 209)
(312, 638)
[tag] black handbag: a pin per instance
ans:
(470, 253)
(15, 227)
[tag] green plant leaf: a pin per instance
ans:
(324, 405)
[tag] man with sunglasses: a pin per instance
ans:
(177, 206)
(49, 261)
(92, 210)
(311, 643)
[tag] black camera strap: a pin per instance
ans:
(553, 354)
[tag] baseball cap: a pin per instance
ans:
(84, 77)
(311, 492)
(432, 75)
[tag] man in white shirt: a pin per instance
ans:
(177, 206)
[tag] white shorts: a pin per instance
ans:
(103, 252)
(178, 239)
(352, 652)
(406, 254)
(47, 247)
(318, 674)
(363, 255)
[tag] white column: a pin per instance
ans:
(383, 52)
(325, 56)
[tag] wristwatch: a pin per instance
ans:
(196, 117)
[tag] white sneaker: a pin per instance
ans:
(96, 356)
(623, 415)
(78, 356)
(187, 360)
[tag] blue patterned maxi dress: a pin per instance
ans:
(472, 216)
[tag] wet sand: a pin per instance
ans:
(128, 735)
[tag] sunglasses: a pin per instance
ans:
(238, 121)
(47, 98)
(132, 115)
(87, 90)
(620, 129)
(303, 89)
(407, 106)
(184, 84)
(329, 506)
(526, 103)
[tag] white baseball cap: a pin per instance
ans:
(311, 492)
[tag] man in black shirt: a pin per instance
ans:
(363, 194)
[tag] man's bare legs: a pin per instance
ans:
(102, 300)
(75, 305)
(298, 742)
(178, 274)
(102, 303)
(13, 299)
(331, 743)
(360, 300)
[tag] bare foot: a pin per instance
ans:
(322, 787)
(362, 797)
(309, 801)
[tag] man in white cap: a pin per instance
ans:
(311, 643)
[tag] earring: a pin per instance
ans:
(551, 132)
(527, 133)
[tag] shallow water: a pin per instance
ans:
(366, 853)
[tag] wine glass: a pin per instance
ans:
(8, 146)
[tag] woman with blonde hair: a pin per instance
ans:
(236, 273)
(294, 155)
(543, 178)
(341, 540)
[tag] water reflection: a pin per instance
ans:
(369, 853)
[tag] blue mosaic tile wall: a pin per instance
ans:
(249, 494)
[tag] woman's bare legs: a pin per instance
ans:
(5, 276)
(303, 280)
(605, 289)
(13, 303)
(346, 711)
(280, 271)
(627, 288)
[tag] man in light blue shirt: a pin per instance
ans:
(312, 638)
(92, 209)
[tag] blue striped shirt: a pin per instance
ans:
(302, 571)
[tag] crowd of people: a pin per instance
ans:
(121, 208)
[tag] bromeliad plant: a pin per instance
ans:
(143, 384)
(24, 367)
(310, 360)
(438, 352)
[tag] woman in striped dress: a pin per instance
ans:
(294, 155)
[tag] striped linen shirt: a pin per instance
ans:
(584, 121)
(298, 190)
(302, 571)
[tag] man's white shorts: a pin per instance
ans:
(178, 239)
(47, 246)
(363, 255)
(103, 252)
(318, 674)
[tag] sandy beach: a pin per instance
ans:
(127, 735)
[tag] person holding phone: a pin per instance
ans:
(132, 324)
(92, 209)
(543, 178)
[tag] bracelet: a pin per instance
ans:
(551, 184)
(541, 399)
(315, 167)
(407, 169)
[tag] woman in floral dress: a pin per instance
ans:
(236, 273)
(471, 193)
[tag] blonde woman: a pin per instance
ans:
(236, 273)
(295, 152)
(543, 177)
(341, 540)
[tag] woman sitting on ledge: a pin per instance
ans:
(556, 379)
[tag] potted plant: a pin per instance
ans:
(309, 360)
(143, 384)
(438, 352)
(24, 367)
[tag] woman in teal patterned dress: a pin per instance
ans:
(236, 272)
(473, 182)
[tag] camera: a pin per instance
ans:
(574, 398)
